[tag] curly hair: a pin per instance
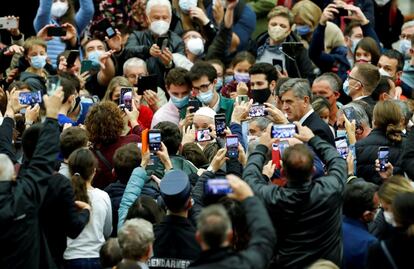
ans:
(104, 123)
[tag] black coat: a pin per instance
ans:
(259, 250)
(319, 128)
(115, 191)
(366, 151)
(306, 214)
(23, 244)
(408, 155)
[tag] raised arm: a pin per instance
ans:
(43, 16)
(84, 15)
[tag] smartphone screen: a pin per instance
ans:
(147, 83)
(126, 98)
(278, 64)
(105, 26)
(195, 104)
(56, 31)
(217, 186)
(283, 130)
(257, 111)
(30, 98)
(383, 154)
(154, 140)
(162, 42)
(232, 144)
(220, 122)
(203, 135)
(86, 65)
(342, 146)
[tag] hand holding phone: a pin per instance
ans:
(342, 146)
(203, 135)
(217, 187)
(105, 26)
(283, 130)
(257, 111)
(73, 55)
(232, 145)
(195, 104)
(220, 122)
(162, 42)
(30, 98)
(147, 83)
(125, 99)
(56, 31)
(154, 140)
(383, 156)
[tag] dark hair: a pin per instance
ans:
(125, 160)
(30, 138)
(68, 87)
(243, 56)
(71, 139)
(369, 45)
(297, 162)
(266, 69)
(194, 154)
(73, 78)
(170, 136)
(369, 75)
(110, 253)
(82, 165)
(89, 41)
(383, 86)
(350, 27)
(395, 54)
(358, 198)
(3, 101)
(319, 103)
(201, 69)
(146, 208)
(177, 76)
(403, 210)
(279, 84)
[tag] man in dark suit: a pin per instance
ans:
(296, 98)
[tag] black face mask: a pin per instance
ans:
(260, 96)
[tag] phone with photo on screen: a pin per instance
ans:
(217, 186)
(232, 145)
(342, 146)
(154, 140)
(383, 156)
(220, 122)
(125, 99)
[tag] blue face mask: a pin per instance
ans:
(346, 87)
(179, 102)
(205, 97)
(228, 79)
(219, 84)
(38, 61)
(340, 133)
(303, 29)
(94, 56)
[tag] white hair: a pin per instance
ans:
(134, 62)
(135, 237)
(408, 24)
(152, 3)
(6, 168)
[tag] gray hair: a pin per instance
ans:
(6, 168)
(152, 3)
(335, 83)
(134, 238)
(214, 224)
(261, 122)
(360, 113)
(299, 86)
(408, 24)
(407, 113)
(134, 62)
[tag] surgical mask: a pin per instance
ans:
(382, 2)
(228, 79)
(405, 46)
(384, 73)
(355, 42)
(303, 29)
(277, 33)
(341, 133)
(346, 87)
(95, 55)
(38, 61)
(59, 9)
(179, 102)
(241, 77)
(260, 96)
(205, 97)
(195, 46)
(186, 5)
(389, 218)
(251, 138)
(326, 121)
(219, 84)
(159, 27)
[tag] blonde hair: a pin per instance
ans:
(308, 11)
(115, 82)
(33, 41)
(323, 264)
(387, 117)
(281, 11)
(393, 186)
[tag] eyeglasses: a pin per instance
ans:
(405, 36)
(202, 88)
(135, 76)
(349, 77)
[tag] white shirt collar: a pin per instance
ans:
(360, 97)
(216, 107)
(306, 116)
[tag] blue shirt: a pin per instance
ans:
(85, 104)
(356, 241)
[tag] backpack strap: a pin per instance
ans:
(388, 255)
(103, 159)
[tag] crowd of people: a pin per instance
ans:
(207, 134)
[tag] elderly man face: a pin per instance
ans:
(159, 13)
(294, 107)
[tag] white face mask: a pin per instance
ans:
(195, 46)
(384, 73)
(389, 218)
(59, 9)
(382, 2)
(186, 5)
(355, 42)
(159, 27)
(277, 33)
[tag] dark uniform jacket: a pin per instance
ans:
(23, 244)
(306, 214)
(175, 245)
(259, 250)
(319, 128)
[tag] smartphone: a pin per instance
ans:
(257, 111)
(8, 23)
(52, 84)
(242, 98)
(147, 83)
(195, 104)
(217, 186)
(86, 65)
(383, 155)
(232, 145)
(154, 140)
(56, 31)
(126, 98)
(105, 26)
(220, 122)
(30, 98)
(73, 55)
(342, 12)
(342, 146)
(203, 135)
(162, 42)
(278, 64)
(291, 47)
(283, 144)
(276, 155)
(283, 130)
